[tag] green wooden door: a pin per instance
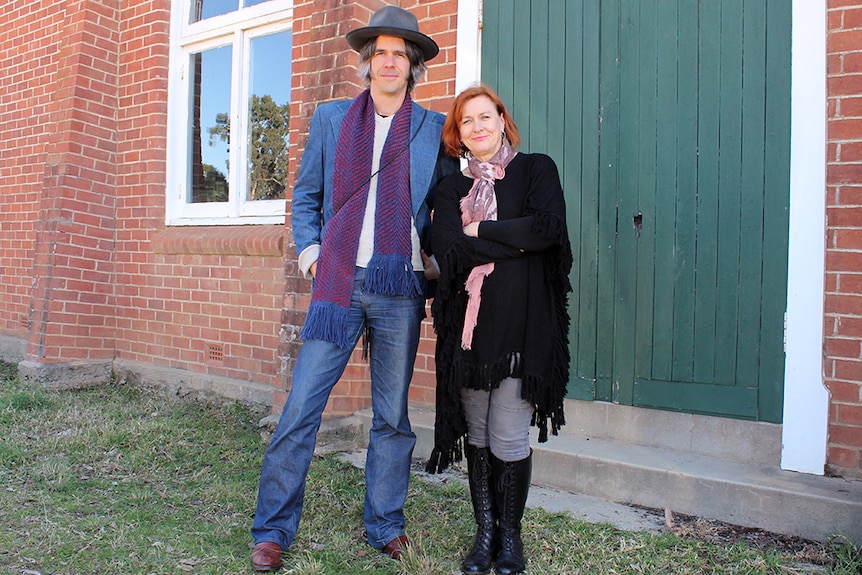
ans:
(669, 120)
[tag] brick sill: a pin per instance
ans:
(265, 241)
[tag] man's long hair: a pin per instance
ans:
(417, 63)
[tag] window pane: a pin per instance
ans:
(202, 9)
(253, 2)
(269, 110)
(211, 125)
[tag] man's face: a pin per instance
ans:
(390, 66)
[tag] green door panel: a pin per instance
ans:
(669, 120)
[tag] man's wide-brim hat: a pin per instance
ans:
(393, 21)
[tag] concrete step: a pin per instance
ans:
(745, 493)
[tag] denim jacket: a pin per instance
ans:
(312, 192)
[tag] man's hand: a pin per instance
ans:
(432, 272)
(313, 269)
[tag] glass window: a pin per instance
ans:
(268, 113)
(209, 160)
(228, 112)
(203, 9)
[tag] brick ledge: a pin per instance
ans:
(267, 241)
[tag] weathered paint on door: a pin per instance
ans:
(669, 120)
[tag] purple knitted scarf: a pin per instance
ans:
(390, 270)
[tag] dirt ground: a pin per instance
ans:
(806, 552)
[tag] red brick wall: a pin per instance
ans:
(324, 69)
(198, 299)
(843, 321)
(66, 54)
(90, 272)
(30, 54)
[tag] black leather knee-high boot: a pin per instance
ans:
(478, 560)
(512, 484)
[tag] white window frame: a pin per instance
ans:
(237, 29)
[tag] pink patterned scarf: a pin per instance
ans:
(480, 204)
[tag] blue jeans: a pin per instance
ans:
(394, 324)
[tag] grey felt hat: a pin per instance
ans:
(393, 21)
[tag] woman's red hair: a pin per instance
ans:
(452, 126)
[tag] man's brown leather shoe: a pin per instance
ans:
(396, 547)
(266, 556)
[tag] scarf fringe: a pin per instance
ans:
(328, 322)
(391, 274)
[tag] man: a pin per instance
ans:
(361, 222)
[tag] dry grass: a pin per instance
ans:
(114, 480)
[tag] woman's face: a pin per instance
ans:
(482, 127)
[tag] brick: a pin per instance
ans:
(850, 415)
(846, 239)
(843, 41)
(841, 129)
(850, 284)
(844, 391)
(852, 18)
(849, 195)
(845, 435)
(843, 348)
(849, 370)
(849, 261)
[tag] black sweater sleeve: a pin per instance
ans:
(448, 239)
(519, 233)
(544, 212)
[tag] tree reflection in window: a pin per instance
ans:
(268, 112)
(266, 132)
(212, 80)
(268, 151)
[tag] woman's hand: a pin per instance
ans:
(472, 230)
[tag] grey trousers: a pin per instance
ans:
(499, 419)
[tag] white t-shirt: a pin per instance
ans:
(366, 237)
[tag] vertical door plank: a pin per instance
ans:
(666, 251)
(686, 191)
(625, 287)
(706, 281)
(647, 150)
(587, 20)
(557, 119)
(751, 209)
(519, 99)
(608, 185)
(494, 56)
(723, 354)
(537, 77)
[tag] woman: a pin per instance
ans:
(500, 239)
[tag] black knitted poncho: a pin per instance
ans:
(523, 321)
